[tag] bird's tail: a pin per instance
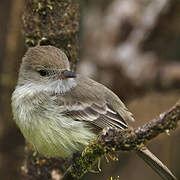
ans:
(155, 164)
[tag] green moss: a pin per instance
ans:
(92, 153)
(174, 116)
(29, 41)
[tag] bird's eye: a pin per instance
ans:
(43, 72)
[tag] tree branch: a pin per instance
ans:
(50, 22)
(112, 139)
(53, 22)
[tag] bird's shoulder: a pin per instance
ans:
(92, 102)
(85, 93)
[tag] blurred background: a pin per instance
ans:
(132, 47)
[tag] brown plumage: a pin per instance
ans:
(96, 107)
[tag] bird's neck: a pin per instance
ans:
(59, 86)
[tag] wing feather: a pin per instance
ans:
(99, 107)
(99, 115)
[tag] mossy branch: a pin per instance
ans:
(50, 22)
(112, 139)
(53, 22)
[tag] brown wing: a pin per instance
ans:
(99, 115)
(94, 103)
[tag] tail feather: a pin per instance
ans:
(155, 164)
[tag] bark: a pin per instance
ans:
(50, 22)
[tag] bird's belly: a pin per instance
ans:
(43, 125)
(57, 137)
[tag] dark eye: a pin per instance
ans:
(43, 72)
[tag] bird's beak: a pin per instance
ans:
(67, 74)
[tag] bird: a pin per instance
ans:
(58, 111)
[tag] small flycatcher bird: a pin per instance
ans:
(57, 109)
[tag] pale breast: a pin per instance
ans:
(42, 124)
